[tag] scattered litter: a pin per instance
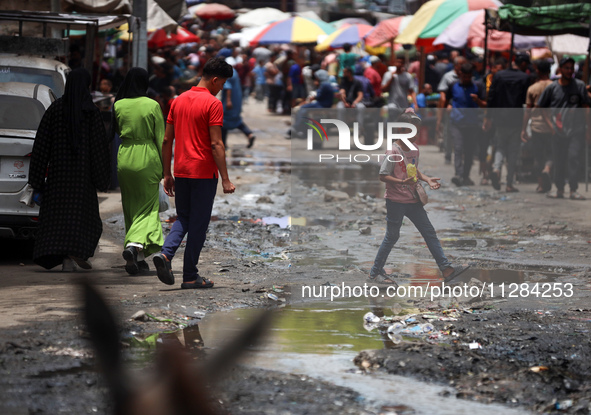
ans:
(272, 297)
(371, 318)
(474, 345)
(537, 369)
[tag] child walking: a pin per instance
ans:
(401, 200)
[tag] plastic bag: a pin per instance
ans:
(164, 204)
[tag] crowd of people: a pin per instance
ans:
(484, 114)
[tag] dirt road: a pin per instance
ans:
(47, 366)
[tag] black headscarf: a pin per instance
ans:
(77, 99)
(134, 85)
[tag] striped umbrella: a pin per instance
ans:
(468, 30)
(435, 15)
(352, 34)
(293, 30)
(386, 30)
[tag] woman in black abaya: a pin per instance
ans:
(70, 161)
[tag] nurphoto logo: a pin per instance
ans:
(386, 131)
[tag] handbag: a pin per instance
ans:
(164, 201)
(27, 197)
(421, 194)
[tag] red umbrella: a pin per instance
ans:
(184, 36)
(159, 39)
(386, 30)
(214, 11)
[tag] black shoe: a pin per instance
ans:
(163, 269)
(495, 179)
(457, 181)
(468, 182)
(143, 266)
(130, 255)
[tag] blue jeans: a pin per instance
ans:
(194, 201)
(416, 213)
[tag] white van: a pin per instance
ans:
(34, 70)
(22, 106)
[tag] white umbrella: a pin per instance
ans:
(245, 36)
(260, 16)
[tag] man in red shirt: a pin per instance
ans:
(195, 120)
(375, 79)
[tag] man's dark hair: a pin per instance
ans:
(501, 62)
(217, 67)
(543, 66)
(347, 47)
(467, 68)
(522, 57)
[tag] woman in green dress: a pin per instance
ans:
(139, 122)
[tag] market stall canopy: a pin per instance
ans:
(299, 30)
(387, 30)
(260, 17)
(543, 21)
(568, 44)
(351, 34)
(97, 6)
(158, 19)
(214, 11)
(468, 30)
(435, 15)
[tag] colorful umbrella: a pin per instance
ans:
(435, 15)
(293, 30)
(352, 34)
(214, 11)
(468, 30)
(386, 30)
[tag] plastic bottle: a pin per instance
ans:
(371, 318)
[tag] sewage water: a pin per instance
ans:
(320, 340)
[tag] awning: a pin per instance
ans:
(543, 21)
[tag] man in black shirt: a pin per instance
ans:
(569, 122)
(351, 95)
(506, 98)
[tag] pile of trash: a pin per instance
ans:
(409, 325)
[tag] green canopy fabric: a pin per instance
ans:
(543, 21)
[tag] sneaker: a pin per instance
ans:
(163, 269)
(130, 255)
(457, 181)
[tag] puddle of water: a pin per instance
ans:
(320, 340)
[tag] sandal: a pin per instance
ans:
(163, 269)
(382, 279)
(577, 196)
(555, 195)
(205, 283)
(457, 270)
(511, 189)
